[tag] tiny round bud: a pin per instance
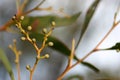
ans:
(23, 38)
(22, 17)
(14, 17)
(29, 28)
(50, 44)
(34, 40)
(47, 55)
(16, 25)
(53, 23)
(44, 30)
(14, 40)
(28, 67)
(10, 46)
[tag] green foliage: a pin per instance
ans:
(89, 65)
(40, 22)
(75, 77)
(6, 63)
(88, 18)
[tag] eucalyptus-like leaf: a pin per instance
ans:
(40, 22)
(6, 63)
(75, 77)
(88, 18)
(89, 65)
(62, 48)
(115, 47)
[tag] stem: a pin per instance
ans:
(63, 74)
(18, 69)
(35, 8)
(24, 4)
(69, 61)
(81, 60)
(92, 51)
(18, 5)
(33, 69)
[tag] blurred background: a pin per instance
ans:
(49, 69)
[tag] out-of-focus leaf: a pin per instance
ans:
(75, 77)
(88, 18)
(61, 47)
(6, 63)
(115, 47)
(91, 66)
(39, 22)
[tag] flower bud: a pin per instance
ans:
(44, 30)
(53, 23)
(50, 44)
(29, 28)
(23, 38)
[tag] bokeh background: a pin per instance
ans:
(107, 61)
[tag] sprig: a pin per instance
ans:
(17, 55)
(33, 42)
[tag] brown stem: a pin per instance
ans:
(23, 5)
(69, 61)
(18, 69)
(33, 69)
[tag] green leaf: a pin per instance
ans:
(39, 22)
(88, 18)
(115, 47)
(89, 65)
(75, 77)
(61, 47)
(6, 63)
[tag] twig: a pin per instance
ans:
(18, 5)
(35, 8)
(92, 51)
(24, 5)
(96, 48)
(33, 42)
(33, 69)
(69, 61)
(17, 54)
